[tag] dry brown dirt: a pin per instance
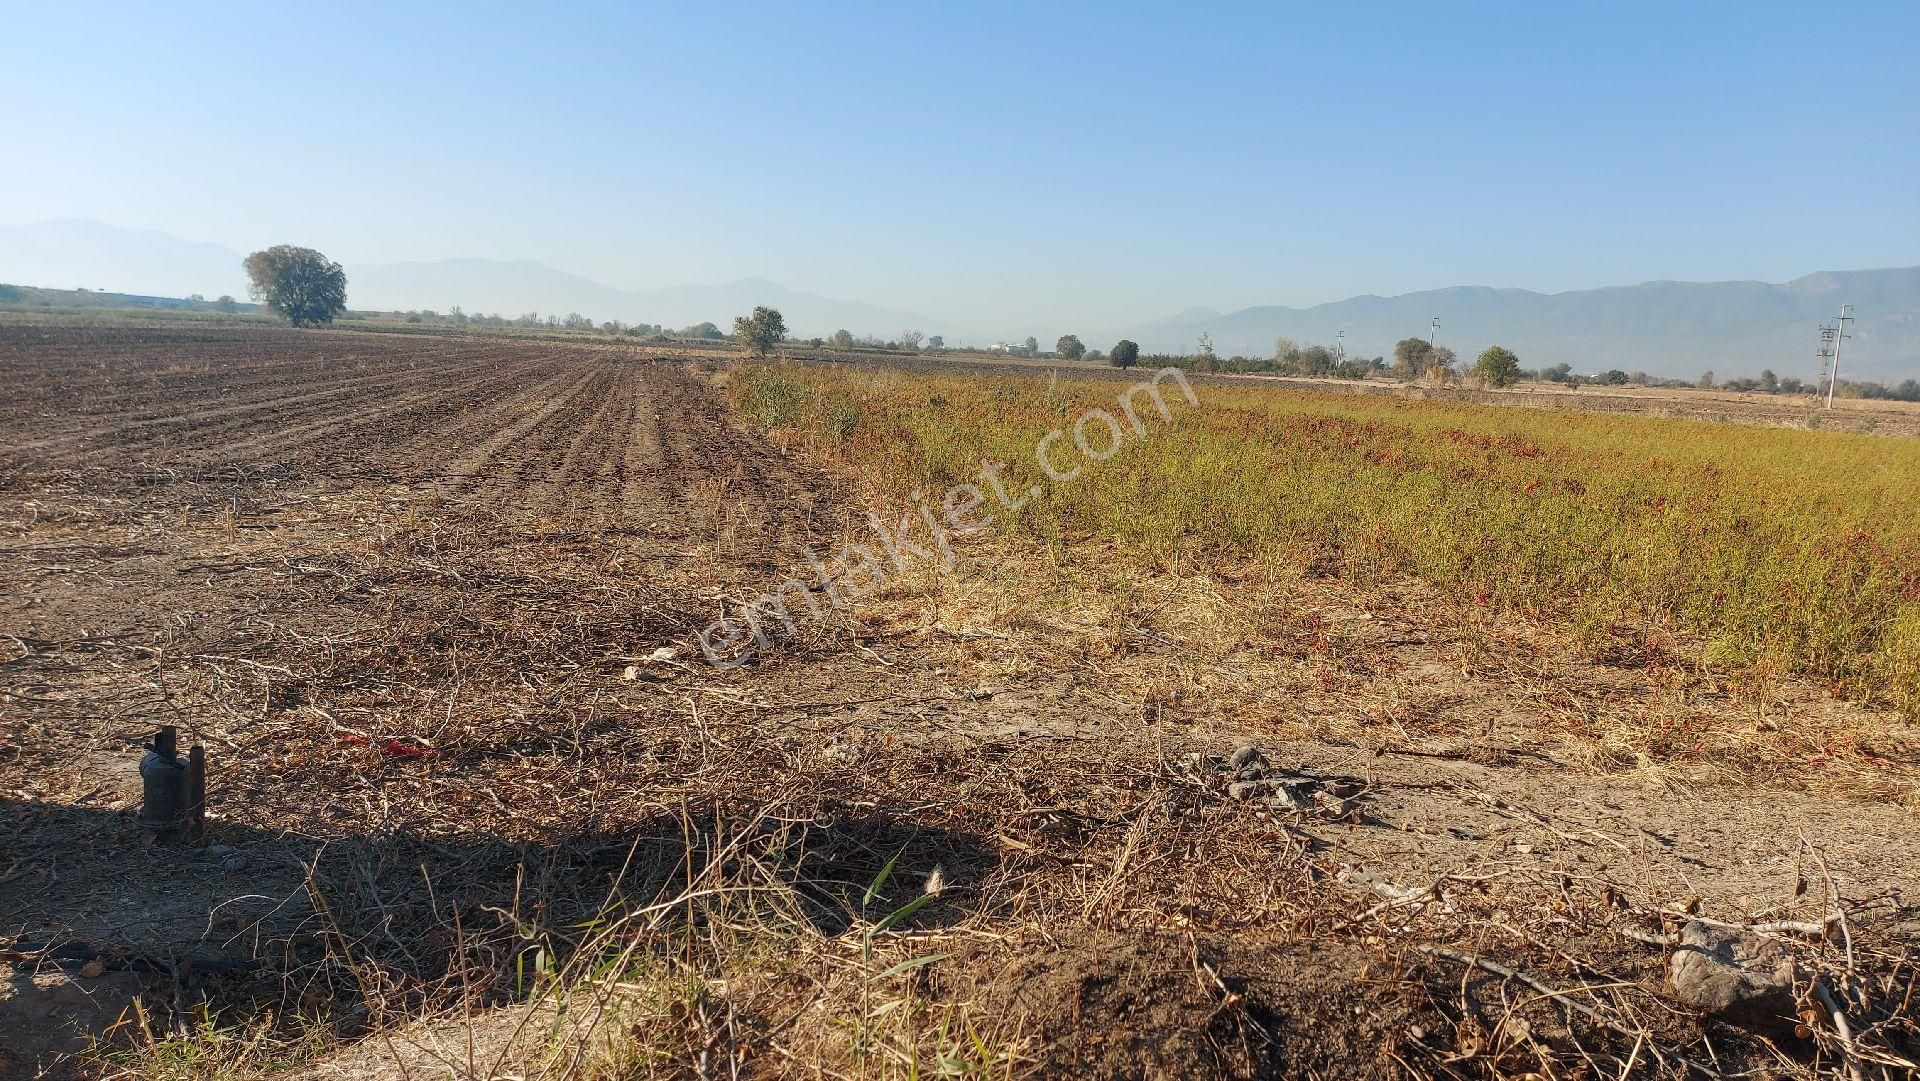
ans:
(396, 583)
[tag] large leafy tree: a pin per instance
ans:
(1410, 357)
(1125, 354)
(1069, 347)
(298, 284)
(1498, 366)
(760, 332)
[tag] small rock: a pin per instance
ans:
(632, 672)
(1246, 756)
(233, 862)
(1336, 808)
(1286, 799)
(216, 851)
(1733, 974)
(1243, 790)
(663, 655)
(1250, 773)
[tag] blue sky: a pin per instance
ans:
(993, 164)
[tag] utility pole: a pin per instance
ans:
(1826, 355)
(1340, 345)
(1839, 335)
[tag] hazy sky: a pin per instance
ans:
(993, 164)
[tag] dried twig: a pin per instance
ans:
(1567, 1000)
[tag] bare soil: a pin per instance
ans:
(405, 589)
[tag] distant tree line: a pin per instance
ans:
(29, 296)
(572, 321)
(1907, 390)
(909, 341)
(1289, 358)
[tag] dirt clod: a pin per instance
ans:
(1165, 1006)
(1736, 975)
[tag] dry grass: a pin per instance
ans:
(1086, 912)
(1535, 552)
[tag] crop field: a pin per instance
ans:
(1771, 551)
(588, 710)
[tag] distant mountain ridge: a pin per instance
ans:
(81, 252)
(1667, 328)
(514, 288)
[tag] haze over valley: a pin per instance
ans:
(1666, 328)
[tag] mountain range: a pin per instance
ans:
(81, 252)
(1667, 328)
